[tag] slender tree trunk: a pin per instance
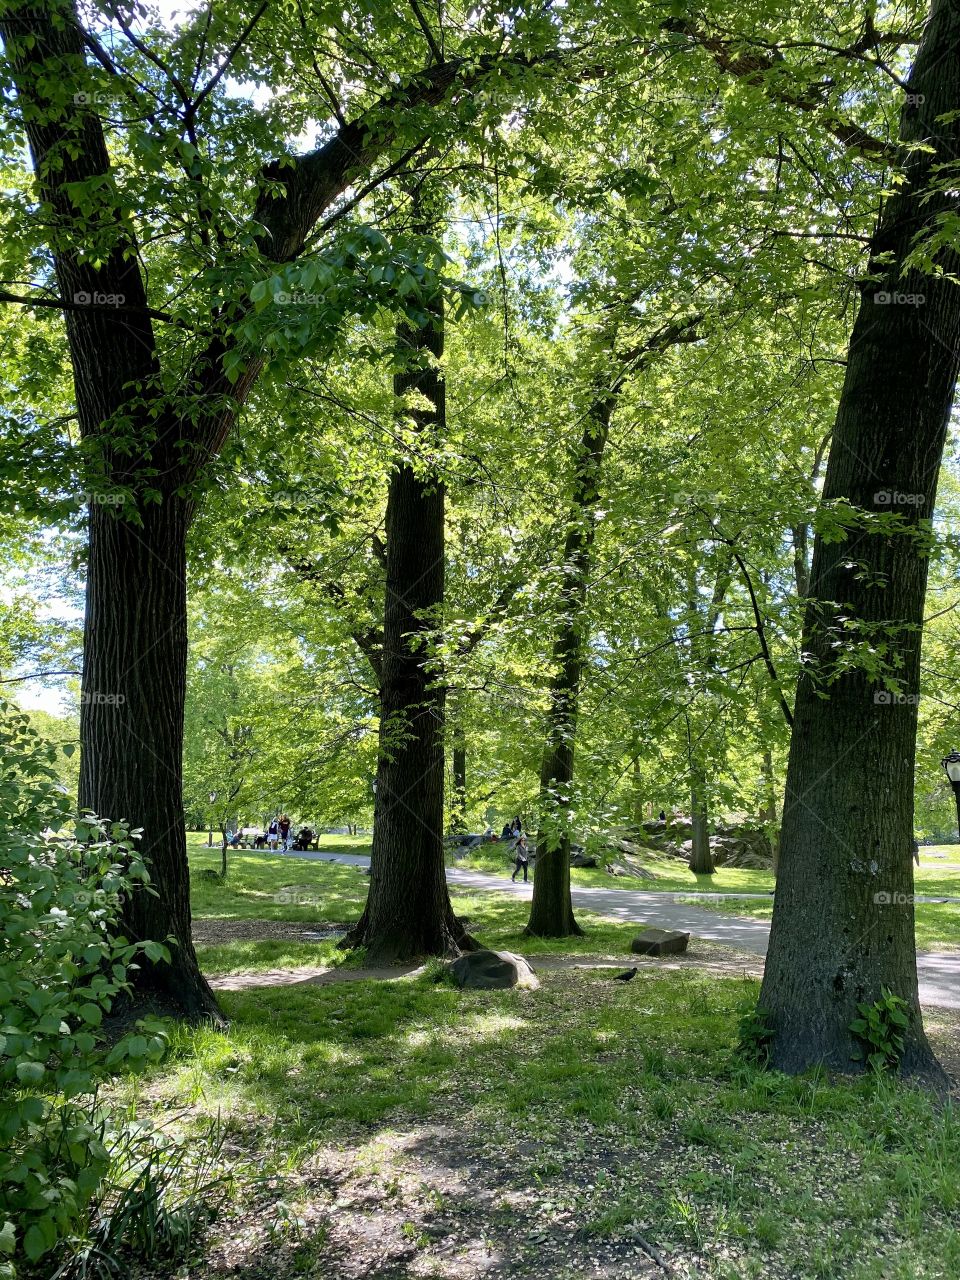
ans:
(408, 912)
(551, 911)
(131, 724)
(843, 924)
(769, 815)
(458, 807)
(637, 798)
(701, 857)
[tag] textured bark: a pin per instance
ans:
(134, 680)
(408, 912)
(551, 911)
(843, 924)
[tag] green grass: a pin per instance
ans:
(607, 1111)
(261, 886)
(612, 1109)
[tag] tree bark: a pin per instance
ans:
(843, 922)
(408, 913)
(551, 911)
(132, 696)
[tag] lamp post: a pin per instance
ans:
(951, 764)
(213, 796)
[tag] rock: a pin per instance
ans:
(659, 942)
(630, 868)
(584, 860)
(492, 971)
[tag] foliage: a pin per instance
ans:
(161, 1190)
(880, 1029)
(755, 1036)
(62, 965)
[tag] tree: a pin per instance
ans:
(843, 927)
(408, 911)
(152, 420)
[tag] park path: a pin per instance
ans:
(939, 972)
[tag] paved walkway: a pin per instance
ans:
(939, 971)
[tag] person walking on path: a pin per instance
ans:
(522, 859)
(284, 828)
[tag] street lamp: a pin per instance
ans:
(213, 796)
(951, 764)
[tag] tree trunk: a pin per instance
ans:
(769, 814)
(551, 911)
(458, 807)
(701, 858)
(843, 924)
(408, 912)
(637, 798)
(131, 725)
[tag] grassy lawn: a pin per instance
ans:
(407, 1129)
(404, 1129)
(265, 887)
(671, 876)
(261, 887)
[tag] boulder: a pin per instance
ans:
(659, 942)
(492, 971)
(628, 867)
(584, 860)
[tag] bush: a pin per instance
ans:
(62, 963)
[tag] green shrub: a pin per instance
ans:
(880, 1029)
(62, 963)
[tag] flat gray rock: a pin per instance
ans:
(492, 971)
(659, 942)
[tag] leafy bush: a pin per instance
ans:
(880, 1029)
(62, 964)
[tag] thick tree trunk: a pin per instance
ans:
(131, 725)
(843, 924)
(408, 912)
(701, 858)
(551, 911)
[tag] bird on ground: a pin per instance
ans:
(628, 976)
